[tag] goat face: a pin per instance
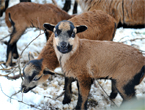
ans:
(34, 74)
(65, 33)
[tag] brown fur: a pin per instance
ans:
(27, 14)
(97, 30)
(99, 25)
(129, 12)
(101, 59)
(2, 4)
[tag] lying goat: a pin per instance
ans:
(87, 59)
(24, 15)
(101, 26)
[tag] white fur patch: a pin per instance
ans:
(10, 29)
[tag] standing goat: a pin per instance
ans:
(101, 26)
(3, 6)
(127, 13)
(5, 3)
(87, 59)
(24, 15)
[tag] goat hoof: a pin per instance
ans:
(66, 100)
(12, 64)
(113, 95)
(15, 56)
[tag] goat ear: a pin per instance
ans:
(81, 28)
(30, 56)
(47, 71)
(48, 26)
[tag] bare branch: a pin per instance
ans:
(104, 92)
(132, 40)
(14, 77)
(18, 100)
(54, 2)
(59, 74)
(59, 95)
(5, 37)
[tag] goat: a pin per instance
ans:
(5, 3)
(3, 6)
(127, 13)
(85, 60)
(101, 27)
(24, 15)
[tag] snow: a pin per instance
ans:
(45, 96)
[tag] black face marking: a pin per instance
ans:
(64, 49)
(26, 90)
(30, 78)
(59, 31)
(129, 88)
(36, 79)
(37, 63)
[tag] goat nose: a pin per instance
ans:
(63, 44)
(23, 88)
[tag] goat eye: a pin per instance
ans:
(55, 34)
(36, 79)
(73, 34)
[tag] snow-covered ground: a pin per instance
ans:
(45, 96)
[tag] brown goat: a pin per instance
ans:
(127, 13)
(5, 3)
(3, 6)
(24, 15)
(101, 26)
(85, 60)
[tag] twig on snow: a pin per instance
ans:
(18, 100)
(59, 95)
(104, 92)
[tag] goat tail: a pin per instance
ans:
(7, 20)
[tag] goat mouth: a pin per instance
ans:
(24, 90)
(64, 50)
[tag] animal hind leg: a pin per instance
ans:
(114, 90)
(126, 92)
(16, 34)
(15, 51)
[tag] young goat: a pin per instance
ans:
(127, 13)
(24, 15)
(87, 59)
(101, 26)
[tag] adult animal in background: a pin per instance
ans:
(85, 60)
(5, 3)
(101, 26)
(24, 15)
(127, 13)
